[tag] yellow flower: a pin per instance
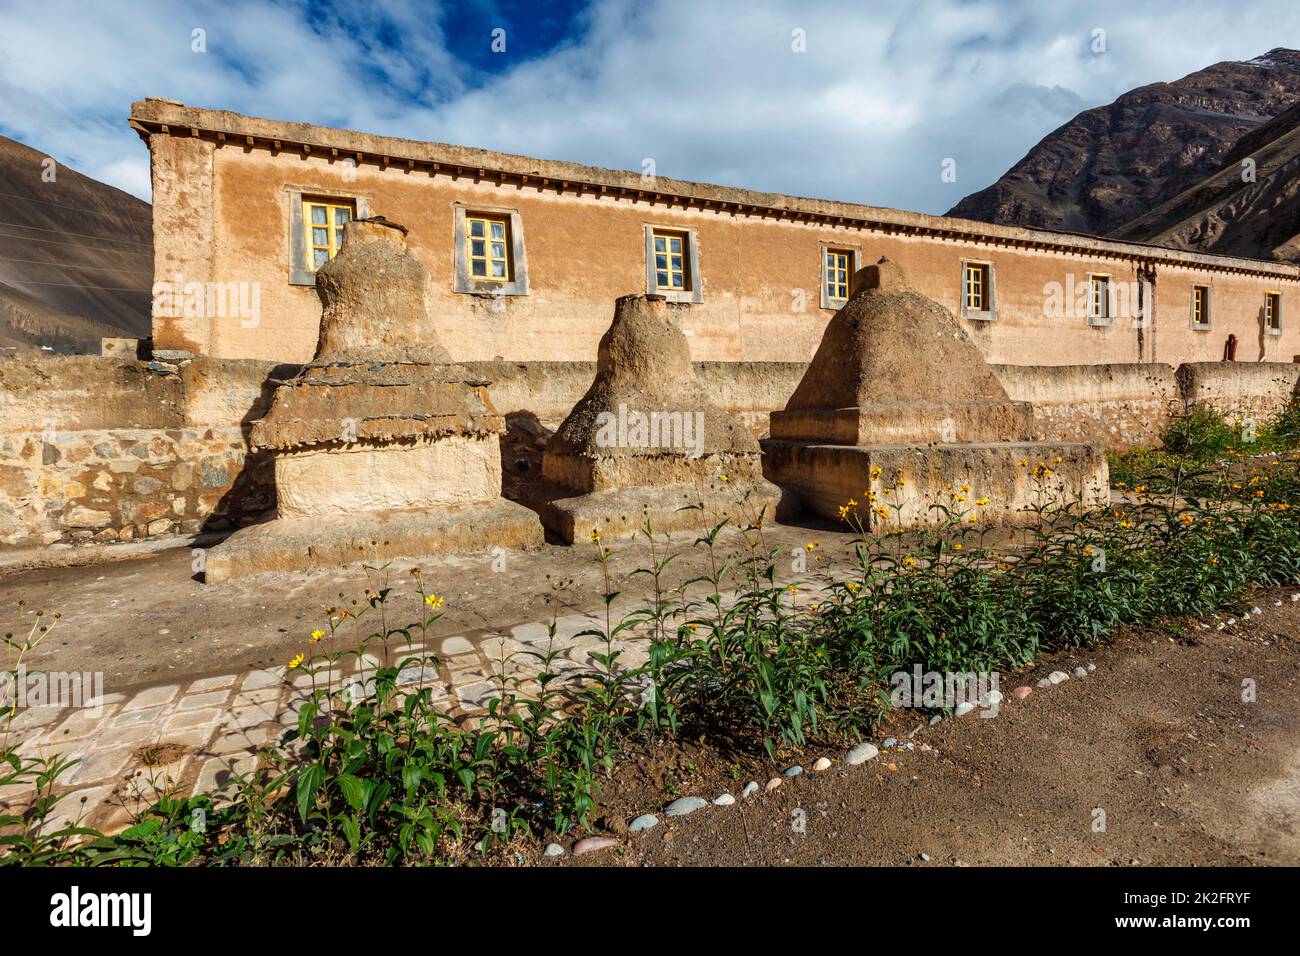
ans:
(910, 561)
(1056, 460)
(853, 503)
(810, 545)
(792, 589)
(433, 600)
(725, 478)
(1186, 519)
(875, 473)
(1126, 524)
(973, 517)
(957, 546)
(296, 662)
(965, 488)
(316, 635)
(981, 501)
(844, 512)
(852, 586)
(1087, 549)
(595, 536)
(881, 512)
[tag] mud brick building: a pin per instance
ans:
(526, 255)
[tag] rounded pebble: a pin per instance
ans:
(1080, 672)
(792, 771)
(821, 764)
(1020, 693)
(553, 849)
(1058, 677)
(964, 708)
(888, 742)
(592, 844)
(644, 822)
(1044, 682)
(1091, 666)
(773, 783)
(684, 805)
(725, 800)
(861, 754)
(751, 788)
(991, 699)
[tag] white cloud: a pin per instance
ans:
(881, 96)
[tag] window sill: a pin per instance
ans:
(989, 316)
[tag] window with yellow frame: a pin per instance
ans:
(976, 287)
(837, 265)
(325, 220)
(671, 272)
(1273, 311)
(1201, 306)
(487, 241)
(1099, 298)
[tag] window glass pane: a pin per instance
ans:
(477, 247)
(677, 280)
(660, 245)
(320, 257)
(498, 230)
(661, 262)
(498, 270)
(498, 250)
(476, 227)
(478, 267)
(342, 215)
(674, 244)
(338, 238)
(320, 237)
(661, 279)
(675, 263)
(318, 215)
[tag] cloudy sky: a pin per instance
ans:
(881, 93)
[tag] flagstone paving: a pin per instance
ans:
(195, 734)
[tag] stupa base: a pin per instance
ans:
(373, 538)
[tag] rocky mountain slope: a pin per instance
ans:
(1163, 164)
(76, 257)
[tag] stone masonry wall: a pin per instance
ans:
(96, 449)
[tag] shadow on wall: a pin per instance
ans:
(250, 497)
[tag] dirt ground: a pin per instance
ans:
(146, 617)
(1158, 737)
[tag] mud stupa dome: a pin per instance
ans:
(380, 372)
(895, 366)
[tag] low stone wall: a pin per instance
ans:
(1240, 390)
(1115, 406)
(549, 390)
(108, 449)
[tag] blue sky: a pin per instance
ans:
(855, 101)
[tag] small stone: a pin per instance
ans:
(925, 857)
(592, 844)
(724, 800)
(792, 771)
(1091, 666)
(1295, 597)
(889, 742)
(991, 699)
(751, 788)
(964, 708)
(1256, 611)
(553, 849)
(1020, 693)
(1058, 677)
(1231, 621)
(936, 719)
(773, 784)
(644, 822)
(1044, 682)
(684, 805)
(821, 764)
(1079, 672)
(861, 754)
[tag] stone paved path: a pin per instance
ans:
(196, 733)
